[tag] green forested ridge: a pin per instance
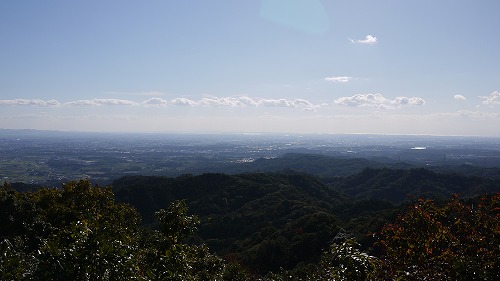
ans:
(397, 185)
(278, 220)
(292, 224)
(268, 221)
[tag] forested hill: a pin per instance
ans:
(398, 185)
(267, 221)
(220, 193)
(274, 220)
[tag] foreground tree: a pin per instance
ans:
(166, 257)
(77, 232)
(455, 241)
(80, 233)
(344, 261)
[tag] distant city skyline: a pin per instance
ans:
(270, 66)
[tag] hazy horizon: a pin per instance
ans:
(271, 66)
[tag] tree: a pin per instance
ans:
(344, 261)
(166, 257)
(87, 235)
(455, 241)
(80, 233)
(77, 232)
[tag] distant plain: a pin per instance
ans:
(53, 157)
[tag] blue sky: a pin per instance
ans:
(282, 66)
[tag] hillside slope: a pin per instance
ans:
(273, 220)
(266, 220)
(400, 185)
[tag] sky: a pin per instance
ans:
(251, 66)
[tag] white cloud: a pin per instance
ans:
(362, 100)
(34, 102)
(301, 102)
(245, 101)
(155, 102)
(408, 101)
(228, 101)
(183, 102)
(98, 102)
(212, 101)
(114, 102)
(81, 103)
(297, 103)
(339, 79)
(242, 101)
(369, 40)
(459, 97)
(215, 101)
(52, 103)
(492, 99)
(276, 103)
(377, 100)
(248, 101)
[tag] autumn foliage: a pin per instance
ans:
(454, 241)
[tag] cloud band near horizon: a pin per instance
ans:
(360, 100)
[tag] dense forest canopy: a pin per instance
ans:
(272, 226)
